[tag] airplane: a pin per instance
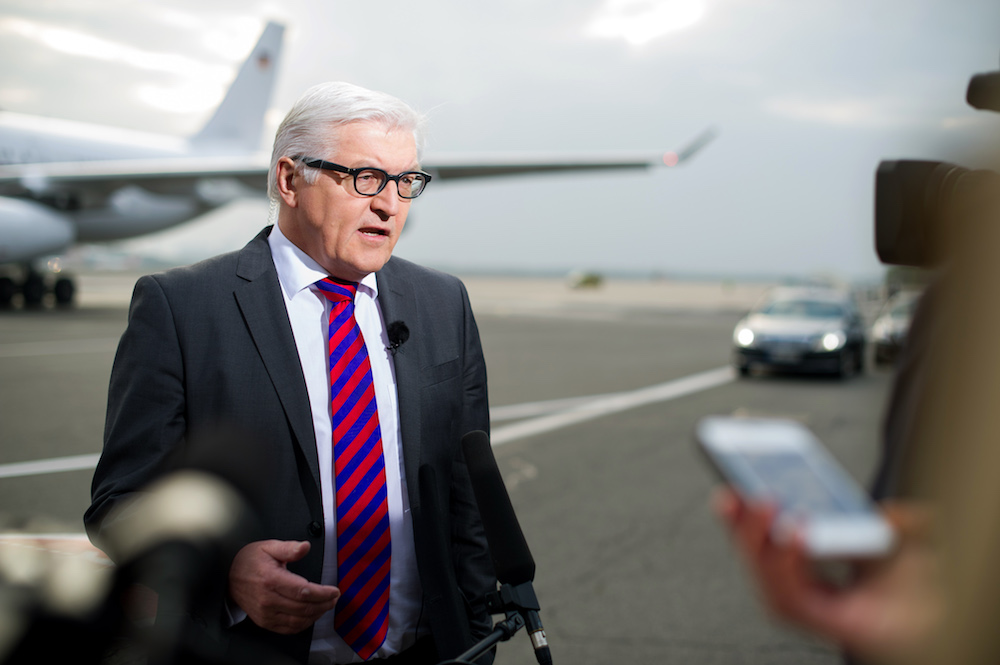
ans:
(64, 183)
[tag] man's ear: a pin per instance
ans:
(287, 187)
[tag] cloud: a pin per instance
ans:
(641, 21)
(200, 86)
(846, 112)
(81, 44)
(14, 96)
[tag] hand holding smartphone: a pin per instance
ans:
(781, 461)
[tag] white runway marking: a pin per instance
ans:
(551, 415)
(54, 465)
(607, 404)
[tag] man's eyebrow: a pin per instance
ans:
(414, 166)
(375, 164)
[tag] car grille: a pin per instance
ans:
(803, 340)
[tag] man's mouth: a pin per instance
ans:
(373, 231)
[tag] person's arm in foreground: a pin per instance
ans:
(886, 613)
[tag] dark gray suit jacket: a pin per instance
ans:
(211, 344)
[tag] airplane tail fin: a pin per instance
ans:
(239, 119)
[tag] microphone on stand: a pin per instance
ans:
(512, 559)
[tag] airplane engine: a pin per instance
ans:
(132, 211)
(29, 230)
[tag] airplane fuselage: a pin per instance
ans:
(26, 139)
(89, 211)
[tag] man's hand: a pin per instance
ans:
(273, 597)
(886, 613)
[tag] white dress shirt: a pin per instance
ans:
(308, 313)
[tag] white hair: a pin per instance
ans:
(306, 128)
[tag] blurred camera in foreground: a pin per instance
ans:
(920, 205)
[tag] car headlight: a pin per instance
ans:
(832, 341)
(743, 336)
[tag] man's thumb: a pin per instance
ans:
(287, 551)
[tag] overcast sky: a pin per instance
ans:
(807, 96)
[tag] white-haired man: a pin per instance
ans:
(341, 360)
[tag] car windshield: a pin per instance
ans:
(810, 309)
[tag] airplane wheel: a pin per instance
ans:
(7, 291)
(33, 290)
(64, 291)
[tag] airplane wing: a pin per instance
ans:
(173, 174)
(460, 166)
(112, 174)
(463, 166)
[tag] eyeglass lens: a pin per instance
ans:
(371, 181)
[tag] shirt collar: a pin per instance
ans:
(297, 270)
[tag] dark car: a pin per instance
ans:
(892, 325)
(801, 329)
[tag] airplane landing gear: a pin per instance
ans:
(64, 290)
(33, 287)
(7, 291)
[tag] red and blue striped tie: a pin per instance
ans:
(363, 547)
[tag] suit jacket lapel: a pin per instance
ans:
(398, 303)
(262, 305)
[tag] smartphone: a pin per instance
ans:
(781, 461)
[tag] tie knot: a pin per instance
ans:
(335, 291)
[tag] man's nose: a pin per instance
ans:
(387, 201)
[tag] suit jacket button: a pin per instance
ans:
(315, 529)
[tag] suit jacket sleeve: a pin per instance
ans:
(146, 414)
(474, 566)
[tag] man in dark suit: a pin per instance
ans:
(242, 339)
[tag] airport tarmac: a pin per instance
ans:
(524, 294)
(594, 395)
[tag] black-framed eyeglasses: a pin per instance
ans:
(369, 181)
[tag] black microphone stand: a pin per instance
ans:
(516, 602)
